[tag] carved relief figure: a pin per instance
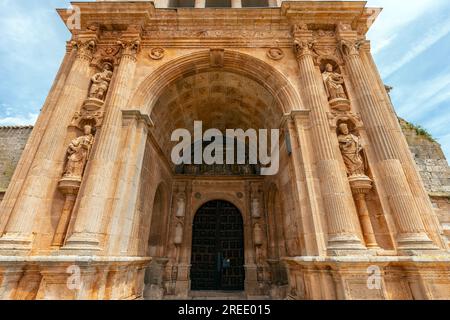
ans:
(78, 154)
(352, 151)
(334, 83)
(100, 82)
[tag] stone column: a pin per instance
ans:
(88, 230)
(200, 3)
(343, 230)
(418, 190)
(24, 165)
(410, 228)
(236, 3)
(46, 169)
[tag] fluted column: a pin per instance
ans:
(410, 228)
(339, 207)
(88, 230)
(40, 182)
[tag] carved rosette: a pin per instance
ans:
(157, 53)
(275, 53)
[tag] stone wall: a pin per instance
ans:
(430, 159)
(12, 143)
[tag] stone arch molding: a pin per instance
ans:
(284, 92)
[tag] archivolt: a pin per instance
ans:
(273, 80)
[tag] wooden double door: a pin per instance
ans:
(217, 261)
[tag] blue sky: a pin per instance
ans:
(410, 41)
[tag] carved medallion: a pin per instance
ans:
(275, 53)
(157, 53)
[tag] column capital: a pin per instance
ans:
(86, 48)
(303, 40)
(130, 48)
(350, 47)
(139, 116)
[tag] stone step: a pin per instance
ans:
(218, 295)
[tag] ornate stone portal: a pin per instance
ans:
(346, 202)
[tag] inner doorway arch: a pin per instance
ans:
(217, 261)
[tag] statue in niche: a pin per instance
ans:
(181, 206)
(334, 83)
(78, 154)
(256, 210)
(352, 152)
(100, 82)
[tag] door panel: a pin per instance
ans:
(218, 248)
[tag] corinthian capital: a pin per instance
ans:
(85, 48)
(130, 48)
(304, 47)
(350, 47)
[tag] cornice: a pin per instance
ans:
(209, 22)
(111, 15)
(326, 14)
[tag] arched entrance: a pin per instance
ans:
(217, 261)
(153, 279)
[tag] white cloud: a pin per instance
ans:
(420, 98)
(431, 37)
(29, 119)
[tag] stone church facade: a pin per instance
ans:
(96, 208)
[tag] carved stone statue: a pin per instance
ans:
(334, 83)
(78, 154)
(181, 206)
(352, 151)
(256, 213)
(100, 82)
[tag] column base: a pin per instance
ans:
(15, 242)
(82, 242)
(345, 245)
(415, 244)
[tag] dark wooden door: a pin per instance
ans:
(218, 248)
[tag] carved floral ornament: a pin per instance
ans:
(109, 54)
